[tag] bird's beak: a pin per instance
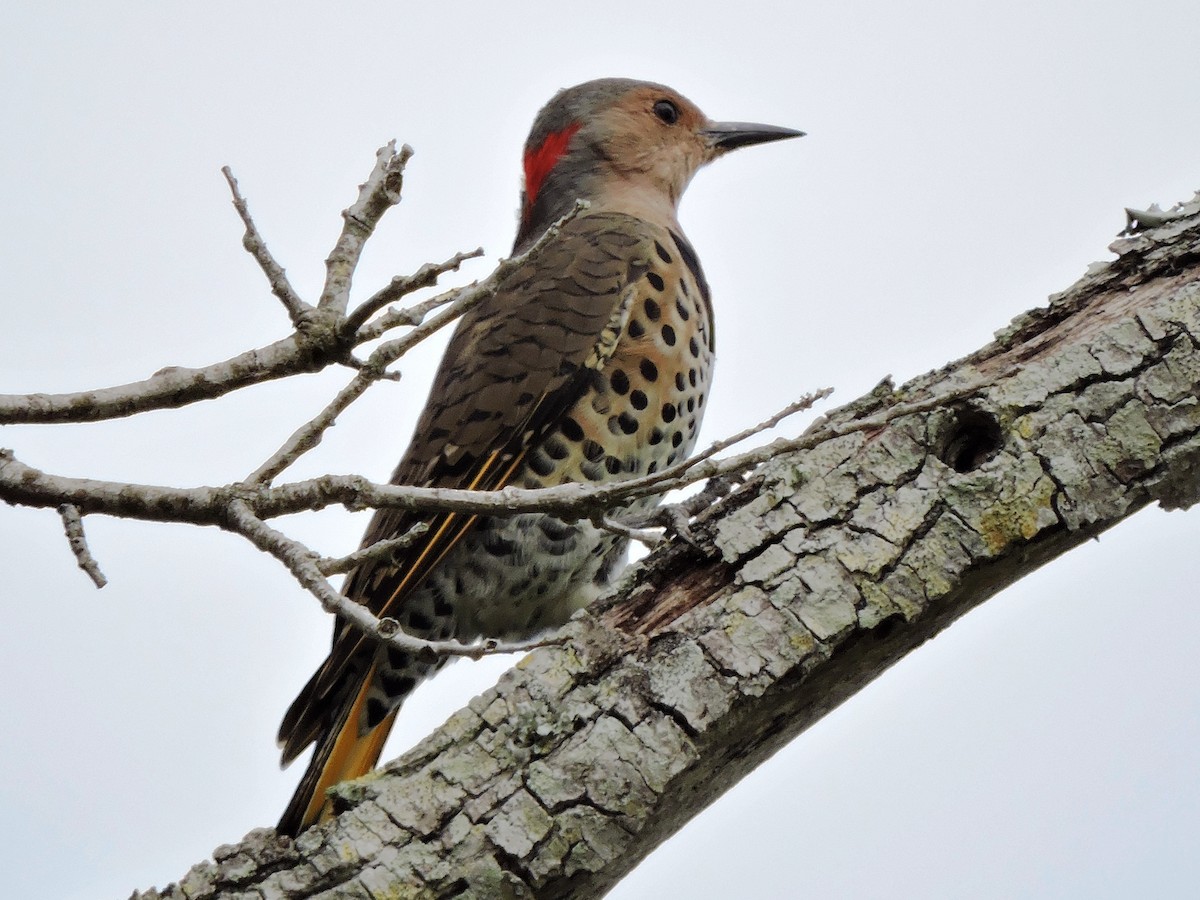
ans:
(725, 136)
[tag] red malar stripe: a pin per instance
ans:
(540, 161)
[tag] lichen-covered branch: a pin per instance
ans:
(808, 580)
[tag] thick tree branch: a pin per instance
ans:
(808, 580)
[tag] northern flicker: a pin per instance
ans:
(592, 362)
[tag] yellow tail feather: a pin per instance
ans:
(343, 755)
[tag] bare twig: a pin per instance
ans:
(374, 368)
(379, 193)
(256, 247)
(674, 517)
(166, 389)
(465, 297)
(22, 483)
(378, 550)
(402, 286)
(73, 525)
(318, 345)
(643, 536)
(309, 435)
(303, 563)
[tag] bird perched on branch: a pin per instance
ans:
(591, 362)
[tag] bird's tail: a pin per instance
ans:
(341, 754)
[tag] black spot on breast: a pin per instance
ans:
(655, 280)
(397, 658)
(638, 400)
(691, 404)
(592, 451)
(540, 463)
(652, 310)
(656, 436)
(682, 310)
(676, 439)
(662, 252)
(648, 369)
(591, 471)
(571, 429)
(668, 334)
(636, 329)
(692, 377)
(694, 347)
(619, 381)
(652, 468)
(628, 423)
(613, 465)
(679, 382)
(668, 412)
(556, 449)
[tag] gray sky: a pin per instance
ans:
(963, 161)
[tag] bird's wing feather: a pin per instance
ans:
(515, 365)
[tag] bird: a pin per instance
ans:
(591, 362)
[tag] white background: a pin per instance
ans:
(963, 161)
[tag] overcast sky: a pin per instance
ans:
(964, 160)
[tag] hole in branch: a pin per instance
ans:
(971, 437)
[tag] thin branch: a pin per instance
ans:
(674, 517)
(22, 483)
(643, 536)
(374, 369)
(318, 344)
(401, 286)
(468, 296)
(257, 247)
(309, 435)
(73, 526)
(168, 388)
(379, 550)
(304, 565)
(379, 193)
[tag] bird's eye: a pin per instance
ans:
(667, 111)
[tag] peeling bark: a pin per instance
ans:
(807, 582)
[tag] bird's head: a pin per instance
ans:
(630, 146)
